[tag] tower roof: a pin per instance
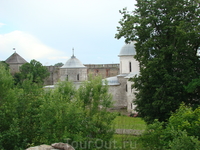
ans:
(128, 49)
(73, 62)
(15, 59)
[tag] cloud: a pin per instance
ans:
(1, 24)
(28, 46)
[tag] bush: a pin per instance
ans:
(181, 131)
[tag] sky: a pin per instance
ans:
(48, 30)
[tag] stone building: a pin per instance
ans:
(73, 70)
(120, 86)
(15, 61)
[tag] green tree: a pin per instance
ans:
(96, 101)
(167, 38)
(28, 105)
(60, 64)
(78, 117)
(5, 65)
(181, 132)
(34, 71)
(9, 131)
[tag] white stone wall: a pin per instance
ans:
(125, 64)
(130, 97)
(74, 74)
(119, 93)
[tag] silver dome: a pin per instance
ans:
(73, 62)
(128, 49)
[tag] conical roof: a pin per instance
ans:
(15, 59)
(73, 62)
(128, 49)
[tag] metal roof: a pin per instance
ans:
(131, 75)
(128, 49)
(15, 59)
(112, 80)
(73, 62)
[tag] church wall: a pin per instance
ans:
(125, 64)
(130, 97)
(119, 93)
(73, 74)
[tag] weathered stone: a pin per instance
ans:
(41, 147)
(62, 146)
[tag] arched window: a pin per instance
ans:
(130, 67)
(126, 88)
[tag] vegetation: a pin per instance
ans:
(33, 71)
(60, 64)
(126, 122)
(181, 132)
(32, 116)
(167, 38)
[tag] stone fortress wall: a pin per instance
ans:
(104, 70)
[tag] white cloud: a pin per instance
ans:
(1, 24)
(28, 46)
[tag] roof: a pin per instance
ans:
(15, 59)
(128, 50)
(112, 80)
(131, 75)
(73, 62)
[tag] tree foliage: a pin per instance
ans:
(167, 35)
(181, 132)
(60, 64)
(30, 115)
(34, 71)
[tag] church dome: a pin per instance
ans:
(73, 62)
(128, 49)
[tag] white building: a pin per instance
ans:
(120, 86)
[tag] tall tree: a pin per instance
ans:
(34, 71)
(167, 33)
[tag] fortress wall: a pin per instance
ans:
(105, 70)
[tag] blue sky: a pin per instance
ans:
(47, 30)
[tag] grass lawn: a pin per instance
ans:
(127, 142)
(126, 122)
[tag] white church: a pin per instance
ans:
(119, 86)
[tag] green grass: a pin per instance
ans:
(126, 122)
(126, 142)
